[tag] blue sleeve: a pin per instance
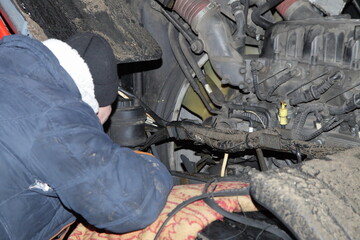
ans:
(112, 187)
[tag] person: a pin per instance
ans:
(56, 162)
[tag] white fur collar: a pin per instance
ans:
(77, 68)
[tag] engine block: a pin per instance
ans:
(313, 66)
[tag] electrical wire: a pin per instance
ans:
(346, 90)
(304, 84)
(158, 120)
(262, 122)
(241, 219)
(273, 75)
(232, 236)
(244, 191)
(357, 6)
(260, 233)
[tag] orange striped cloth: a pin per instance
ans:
(186, 223)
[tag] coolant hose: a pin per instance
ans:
(289, 9)
(215, 33)
(256, 16)
(296, 10)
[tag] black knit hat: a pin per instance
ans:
(99, 56)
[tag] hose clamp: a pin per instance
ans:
(211, 7)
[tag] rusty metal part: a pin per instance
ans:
(112, 19)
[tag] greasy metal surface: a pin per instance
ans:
(112, 19)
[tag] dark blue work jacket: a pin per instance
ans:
(55, 159)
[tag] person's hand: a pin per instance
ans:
(104, 113)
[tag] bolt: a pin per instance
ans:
(197, 46)
(259, 66)
(243, 70)
(297, 72)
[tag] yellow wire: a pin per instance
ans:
(224, 164)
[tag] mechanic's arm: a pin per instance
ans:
(112, 187)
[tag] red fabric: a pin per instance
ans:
(186, 223)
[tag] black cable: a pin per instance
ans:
(283, 79)
(348, 106)
(256, 16)
(157, 137)
(314, 92)
(198, 72)
(158, 120)
(271, 210)
(301, 119)
(260, 233)
(174, 43)
(196, 198)
(244, 220)
(263, 111)
(254, 74)
(251, 117)
(331, 124)
(189, 37)
(357, 6)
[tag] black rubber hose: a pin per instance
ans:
(283, 79)
(240, 12)
(175, 46)
(217, 99)
(349, 106)
(331, 124)
(301, 119)
(315, 91)
(254, 74)
(257, 18)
